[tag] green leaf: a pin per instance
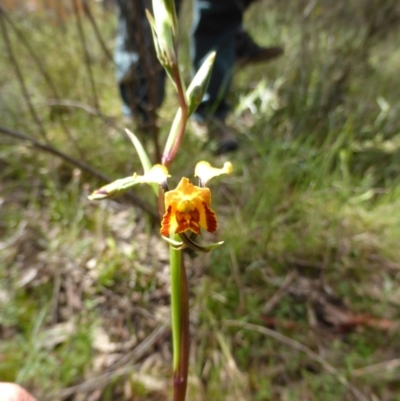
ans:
(115, 188)
(143, 156)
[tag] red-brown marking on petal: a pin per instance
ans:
(211, 219)
(194, 226)
(188, 221)
(166, 223)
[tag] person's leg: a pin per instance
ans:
(214, 28)
(218, 26)
(141, 79)
(247, 51)
(246, 3)
(135, 61)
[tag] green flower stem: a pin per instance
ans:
(185, 344)
(175, 266)
(180, 323)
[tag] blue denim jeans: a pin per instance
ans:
(214, 26)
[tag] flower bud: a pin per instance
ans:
(199, 84)
(164, 28)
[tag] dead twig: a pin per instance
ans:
(77, 163)
(20, 76)
(122, 367)
(15, 237)
(85, 50)
(236, 276)
(39, 63)
(89, 14)
(377, 368)
(86, 108)
(305, 263)
(384, 262)
(274, 300)
(55, 296)
(301, 348)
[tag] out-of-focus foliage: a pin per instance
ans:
(314, 197)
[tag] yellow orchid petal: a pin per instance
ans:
(158, 174)
(188, 207)
(205, 171)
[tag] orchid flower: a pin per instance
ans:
(187, 207)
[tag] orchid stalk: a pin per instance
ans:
(185, 210)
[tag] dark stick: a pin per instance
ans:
(96, 30)
(86, 53)
(87, 108)
(46, 77)
(123, 367)
(20, 77)
(77, 163)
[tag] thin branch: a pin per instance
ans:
(301, 348)
(77, 163)
(86, 53)
(378, 368)
(45, 75)
(274, 300)
(235, 270)
(20, 77)
(96, 30)
(32, 53)
(87, 108)
(118, 369)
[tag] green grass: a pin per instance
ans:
(315, 190)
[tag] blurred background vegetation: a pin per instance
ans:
(302, 301)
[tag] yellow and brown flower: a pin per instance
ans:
(188, 207)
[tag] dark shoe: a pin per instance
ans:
(249, 52)
(222, 138)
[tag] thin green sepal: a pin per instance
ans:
(143, 156)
